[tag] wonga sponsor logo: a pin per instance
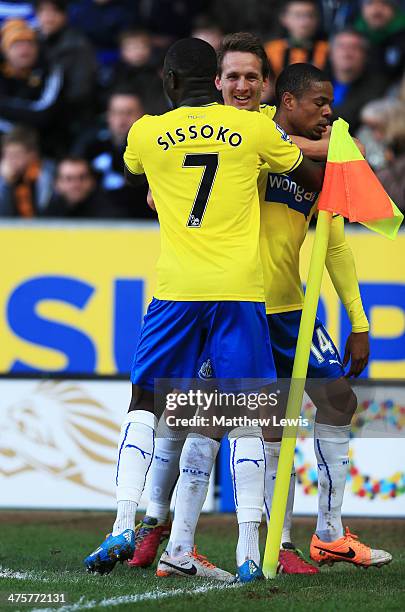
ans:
(280, 188)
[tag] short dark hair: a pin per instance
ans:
(297, 78)
(76, 159)
(124, 90)
(351, 32)
(59, 5)
(133, 33)
(22, 135)
(191, 58)
(244, 42)
(286, 5)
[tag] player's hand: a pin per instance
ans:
(357, 350)
(314, 149)
(327, 133)
(149, 199)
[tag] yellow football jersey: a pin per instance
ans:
(202, 165)
(286, 210)
(285, 213)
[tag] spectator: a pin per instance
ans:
(30, 91)
(393, 176)
(104, 150)
(354, 85)
(102, 21)
(300, 18)
(76, 193)
(374, 120)
(207, 30)
(137, 71)
(382, 22)
(67, 47)
(25, 179)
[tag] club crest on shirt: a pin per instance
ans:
(284, 135)
(206, 370)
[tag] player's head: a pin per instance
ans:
(189, 70)
(52, 16)
(304, 95)
(378, 13)
(19, 149)
(123, 109)
(300, 18)
(243, 70)
(75, 180)
(19, 44)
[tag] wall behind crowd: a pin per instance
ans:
(75, 75)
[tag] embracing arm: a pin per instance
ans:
(311, 171)
(342, 271)
(135, 180)
(318, 149)
(309, 174)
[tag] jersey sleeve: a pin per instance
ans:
(276, 147)
(342, 271)
(132, 158)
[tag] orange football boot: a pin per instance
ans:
(347, 548)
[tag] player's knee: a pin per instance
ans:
(344, 403)
(141, 399)
(351, 403)
(245, 432)
(198, 457)
(199, 450)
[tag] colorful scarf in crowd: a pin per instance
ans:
(24, 191)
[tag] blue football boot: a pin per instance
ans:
(248, 572)
(113, 549)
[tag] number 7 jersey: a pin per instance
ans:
(202, 165)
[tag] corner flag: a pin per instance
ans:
(351, 188)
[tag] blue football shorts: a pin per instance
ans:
(324, 360)
(175, 335)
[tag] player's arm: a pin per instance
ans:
(133, 168)
(284, 157)
(150, 201)
(309, 174)
(318, 149)
(342, 271)
(134, 179)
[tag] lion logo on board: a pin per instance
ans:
(61, 430)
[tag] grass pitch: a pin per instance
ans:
(42, 553)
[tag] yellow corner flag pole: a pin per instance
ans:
(296, 393)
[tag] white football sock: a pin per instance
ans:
(247, 463)
(248, 543)
(135, 454)
(196, 463)
(332, 453)
(272, 452)
(126, 512)
(165, 470)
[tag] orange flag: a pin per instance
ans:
(351, 188)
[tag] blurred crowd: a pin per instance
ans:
(75, 75)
